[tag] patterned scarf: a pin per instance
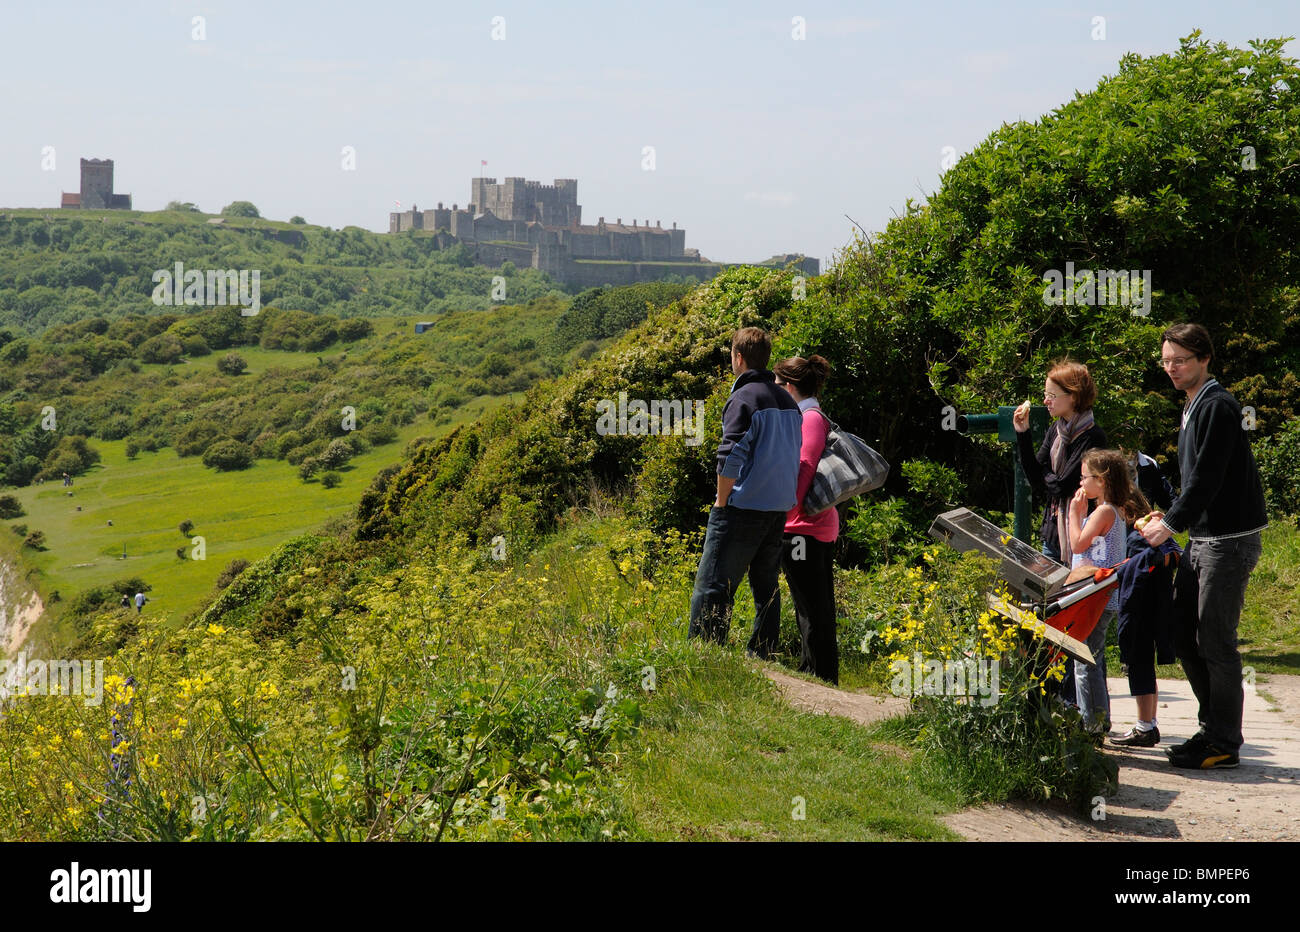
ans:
(1066, 432)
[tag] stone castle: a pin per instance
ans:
(540, 226)
(96, 189)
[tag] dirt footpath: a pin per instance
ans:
(1258, 801)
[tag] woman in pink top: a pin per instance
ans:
(808, 546)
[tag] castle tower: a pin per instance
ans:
(96, 184)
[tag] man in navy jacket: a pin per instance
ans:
(1221, 505)
(758, 469)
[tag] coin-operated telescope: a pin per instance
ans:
(1000, 424)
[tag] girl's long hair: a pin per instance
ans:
(1111, 467)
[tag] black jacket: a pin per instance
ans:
(1221, 492)
(1051, 487)
(1153, 484)
(1146, 597)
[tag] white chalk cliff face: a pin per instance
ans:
(20, 606)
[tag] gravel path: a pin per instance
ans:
(1259, 801)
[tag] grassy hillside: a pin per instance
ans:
(63, 266)
(493, 646)
(138, 437)
(242, 515)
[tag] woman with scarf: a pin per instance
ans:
(1068, 393)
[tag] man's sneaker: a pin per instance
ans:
(1134, 738)
(1207, 757)
(1191, 746)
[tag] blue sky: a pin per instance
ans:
(762, 142)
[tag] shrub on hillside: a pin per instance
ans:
(115, 427)
(357, 442)
(71, 455)
(196, 346)
(605, 312)
(10, 507)
(231, 364)
(330, 480)
(227, 455)
(336, 454)
(232, 570)
(289, 440)
(295, 456)
(240, 209)
(318, 337)
(379, 433)
(15, 352)
(354, 328)
(195, 437)
(165, 348)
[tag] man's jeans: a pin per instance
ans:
(736, 540)
(1209, 592)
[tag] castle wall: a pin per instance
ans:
(437, 219)
(494, 254)
(406, 220)
(651, 244)
(593, 274)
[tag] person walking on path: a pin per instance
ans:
(758, 470)
(1221, 506)
(808, 544)
(139, 602)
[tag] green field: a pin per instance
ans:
(240, 515)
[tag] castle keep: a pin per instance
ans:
(96, 188)
(540, 226)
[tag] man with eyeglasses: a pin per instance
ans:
(1221, 505)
